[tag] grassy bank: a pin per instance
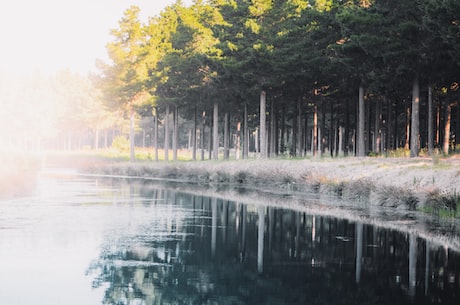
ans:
(413, 184)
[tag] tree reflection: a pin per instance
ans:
(221, 252)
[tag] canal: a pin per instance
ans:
(75, 239)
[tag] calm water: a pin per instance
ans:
(80, 240)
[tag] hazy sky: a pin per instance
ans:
(50, 35)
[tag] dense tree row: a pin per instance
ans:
(296, 76)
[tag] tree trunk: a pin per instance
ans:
(283, 130)
(377, 131)
(256, 141)
(194, 141)
(245, 132)
(314, 144)
(238, 141)
(226, 136)
(96, 138)
(430, 121)
(262, 136)
(293, 147)
(389, 129)
(447, 123)
(210, 138)
(438, 126)
(155, 137)
(320, 143)
(273, 131)
(175, 132)
(361, 116)
(340, 150)
(106, 138)
(298, 147)
(132, 156)
(347, 128)
(415, 123)
(215, 131)
(457, 124)
(202, 134)
(322, 130)
(332, 131)
(407, 138)
(166, 146)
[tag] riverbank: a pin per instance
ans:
(428, 184)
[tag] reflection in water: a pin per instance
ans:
(77, 240)
(200, 250)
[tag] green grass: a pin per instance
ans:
(444, 205)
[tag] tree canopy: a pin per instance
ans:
(309, 56)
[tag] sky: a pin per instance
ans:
(52, 35)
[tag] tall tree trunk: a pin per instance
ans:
(155, 136)
(389, 128)
(377, 131)
(96, 138)
(238, 141)
(396, 132)
(226, 136)
(447, 123)
(438, 126)
(341, 138)
(262, 136)
(106, 138)
(314, 143)
(332, 131)
(457, 124)
(361, 118)
(175, 132)
(256, 141)
(415, 120)
(132, 156)
(194, 141)
(298, 147)
(273, 131)
(407, 138)
(215, 131)
(293, 148)
(245, 132)
(346, 134)
(166, 146)
(283, 130)
(322, 130)
(202, 134)
(430, 121)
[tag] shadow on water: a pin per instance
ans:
(200, 249)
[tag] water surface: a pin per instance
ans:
(90, 240)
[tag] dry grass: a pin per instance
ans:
(392, 182)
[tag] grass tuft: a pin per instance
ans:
(442, 204)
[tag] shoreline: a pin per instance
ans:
(373, 191)
(403, 183)
(387, 192)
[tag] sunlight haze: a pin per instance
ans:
(51, 35)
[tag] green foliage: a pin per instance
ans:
(121, 144)
(398, 153)
(444, 205)
(310, 52)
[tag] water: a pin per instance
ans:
(88, 240)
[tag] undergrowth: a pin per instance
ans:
(442, 204)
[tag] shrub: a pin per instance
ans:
(121, 144)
